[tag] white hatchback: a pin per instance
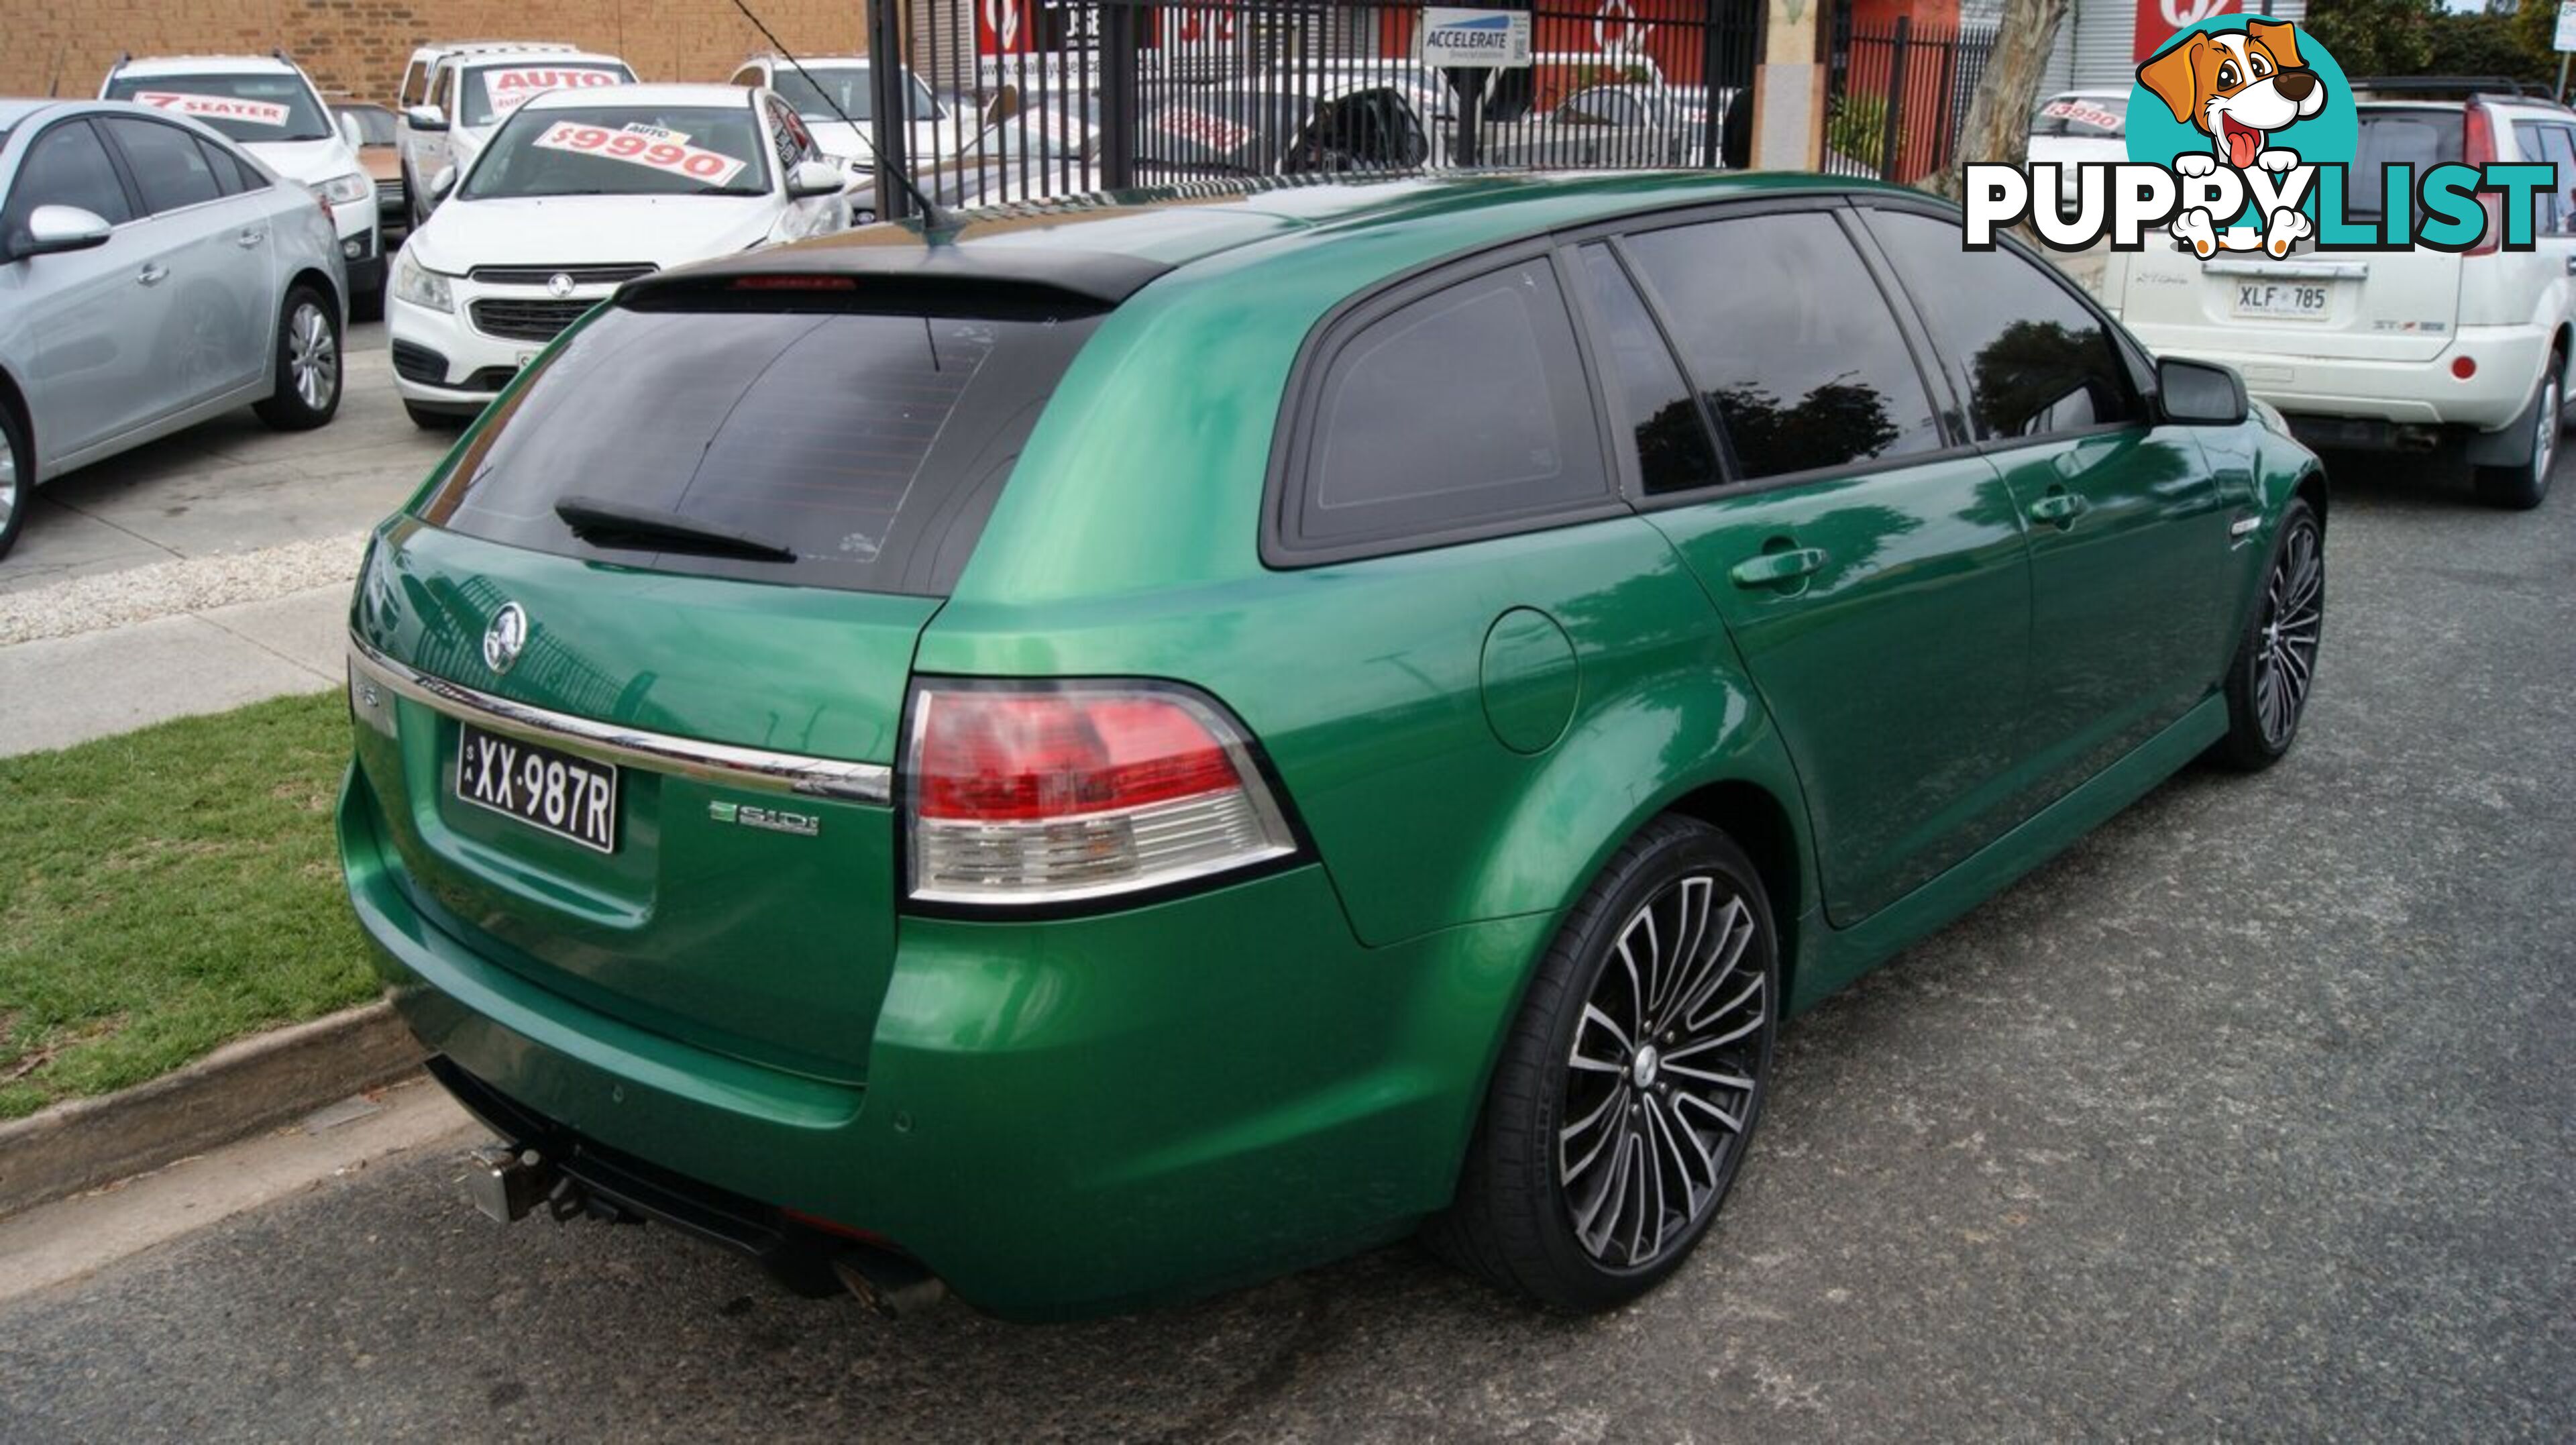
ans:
(578, 192)
(2463, 355)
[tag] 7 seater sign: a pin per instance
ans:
(1461, 39)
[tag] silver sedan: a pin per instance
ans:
(152, 275)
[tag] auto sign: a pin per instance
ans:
(1487, 39)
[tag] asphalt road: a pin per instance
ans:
(2254, 1115)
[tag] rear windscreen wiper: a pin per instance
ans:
(616, 525)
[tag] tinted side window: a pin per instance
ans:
(414, 81)
(170, 168)
(1784, 330)
(1662, 418)
(66, 166)
(2550, 144)
(219, 164)
(2035, 359)
(1461, 409)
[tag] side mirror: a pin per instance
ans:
(52, 230)
(426, 118)
(351, 132)
(814, 178)
(441, 183)
(2200, 393)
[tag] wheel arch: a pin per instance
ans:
(319, 280)
(14, 398)
(1763, 825)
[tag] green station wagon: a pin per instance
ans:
(1124, 748)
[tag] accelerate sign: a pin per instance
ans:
(1489, 39)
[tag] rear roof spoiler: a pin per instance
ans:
(907, 274)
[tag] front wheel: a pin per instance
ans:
(1629, 1087)
(2276, 662)
(307, 393)
(2520, 487)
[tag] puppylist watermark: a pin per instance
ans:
(2242, 138)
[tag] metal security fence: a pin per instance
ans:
(1002, 101)
(1896, 95)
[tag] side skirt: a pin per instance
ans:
(1835, 957)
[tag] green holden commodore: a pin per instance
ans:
(1131, 747)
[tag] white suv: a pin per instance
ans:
(269, 106)
(453, 96)
(2464, 354)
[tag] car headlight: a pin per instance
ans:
(419, 285)
(347, 190)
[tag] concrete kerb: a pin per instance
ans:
(246, 1086)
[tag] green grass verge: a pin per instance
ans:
(164, 891)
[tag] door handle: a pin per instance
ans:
(248, 239)
(153, 274)
(2059, 506)
(2571, 264)
(1773, 568)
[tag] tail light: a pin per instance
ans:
(2477, 149)
(1038, 793)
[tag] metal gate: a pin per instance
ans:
(1897, 95)
(1019, 100)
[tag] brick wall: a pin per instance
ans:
(359, 46)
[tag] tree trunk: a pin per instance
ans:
(1998, 126)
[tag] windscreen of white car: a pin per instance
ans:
(814, 91)
(253, 107)
(492, 92)
(623, 150)
(2083, 117)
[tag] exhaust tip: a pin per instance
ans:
(889, 1284)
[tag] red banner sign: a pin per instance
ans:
(2159, 19)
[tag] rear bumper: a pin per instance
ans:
(1058, 1119)
(2402, 393)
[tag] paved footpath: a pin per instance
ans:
(202, 572)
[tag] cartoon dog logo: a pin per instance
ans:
(2239, 87)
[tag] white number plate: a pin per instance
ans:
(554, 792)
(2283, 300)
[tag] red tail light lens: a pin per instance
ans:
(2477, 148)
(1051, 794)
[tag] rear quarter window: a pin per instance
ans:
(1458, 413)
(872, 447)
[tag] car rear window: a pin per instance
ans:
(872, 447)
(2421, 138)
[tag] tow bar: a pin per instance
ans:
(507, 1185)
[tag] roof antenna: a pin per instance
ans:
(932, 217)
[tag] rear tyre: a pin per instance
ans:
(2520, 487)
(307, 393)
(1630, 1084)
(2276, 663)
(17, 478)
